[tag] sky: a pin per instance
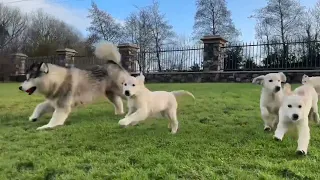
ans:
(179, 13)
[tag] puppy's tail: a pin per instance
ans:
(107, 51)
(181, 93)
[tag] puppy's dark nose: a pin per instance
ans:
(295, 117)
(277, 88)
(20, 88)
(127, 93)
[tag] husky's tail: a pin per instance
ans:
(182, 92)
(107, 51)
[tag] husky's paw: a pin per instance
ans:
(124, 122)
(276, 138)
(267, 129)
(301, 152)
(33, 119)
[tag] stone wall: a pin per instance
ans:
(238, 77)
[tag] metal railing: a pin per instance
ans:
(290, 55)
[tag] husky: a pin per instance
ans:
(296, 109)
(271, 97)
(66, 88)
(143, 103)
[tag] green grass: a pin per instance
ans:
(220, 137)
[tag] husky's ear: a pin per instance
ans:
(282, 77)
(258, 80)
(287, 89)
(44, 68)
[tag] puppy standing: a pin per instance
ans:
(143, 103)
(295, 110)
(271, 97)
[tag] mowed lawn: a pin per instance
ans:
(220, 137)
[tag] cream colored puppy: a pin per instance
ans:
(295, 110)
(314, 81)
(271, 97)
(143, 103)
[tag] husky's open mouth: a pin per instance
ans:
(31, 90)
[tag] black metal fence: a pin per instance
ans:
(81, 62)
(272, 56)
(170, 60)
(291, 55)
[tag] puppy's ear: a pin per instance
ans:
(287, 89)
(258, 80)
(44, 68)
(282, 77)
(141, 78)
(301, 93)
(304, 96)
(304, 76)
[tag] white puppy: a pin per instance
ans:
(271, 97)
(314, 81)
(143, 103)
(295, 110)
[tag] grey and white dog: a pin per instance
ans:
(65, 88)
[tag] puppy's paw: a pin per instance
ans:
(118, 112)
(301, 152)
(134, 124)
(124, 122)
(267, 129)
(44, 127)
(33, 119)
(276, 138)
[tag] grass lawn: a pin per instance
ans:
(220, 137)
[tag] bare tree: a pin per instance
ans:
(45, 34)
(311, 24)
(149, 29)
(138, 30)
(283, 18)
(162, 32)
(213, 18)
(12, 24)
(184, 58)
(103, 26)
(264, 33)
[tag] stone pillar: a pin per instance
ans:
(129, 54)
(213, 57)
(66, 57)
(19, 61)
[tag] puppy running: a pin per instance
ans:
(314, 81)
(271, 97)
(143, 103)
(295, 110)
